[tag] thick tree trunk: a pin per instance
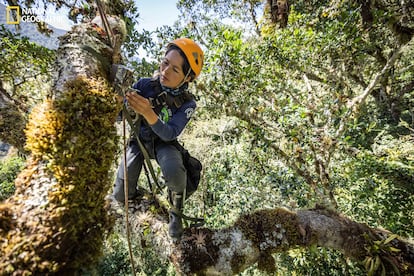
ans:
(254, 237)
(57, 219)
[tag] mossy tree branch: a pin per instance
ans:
(254, 237)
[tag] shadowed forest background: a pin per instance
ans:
(301, 105)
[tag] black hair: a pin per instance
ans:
(186, 65)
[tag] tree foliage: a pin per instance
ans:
(301, 86)
(297, 91)
(25, 75)
(9, 169)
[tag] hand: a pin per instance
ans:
(138, 103)
(142, 106)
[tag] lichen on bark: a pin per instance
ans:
(61, 193)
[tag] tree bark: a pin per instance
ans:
(56, 221)
(254, 237)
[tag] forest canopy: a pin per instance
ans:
(302, 105)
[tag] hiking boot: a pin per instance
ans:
(175, 227)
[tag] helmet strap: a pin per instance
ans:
(184, 80)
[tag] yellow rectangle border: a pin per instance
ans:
(9, 18)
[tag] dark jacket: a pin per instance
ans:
(171, 119)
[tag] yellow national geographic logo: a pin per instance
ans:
(13, 15)
(16, 15)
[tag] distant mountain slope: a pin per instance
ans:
(30, 30)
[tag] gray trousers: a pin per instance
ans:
(169, 159)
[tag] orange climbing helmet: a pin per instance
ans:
(192, 51)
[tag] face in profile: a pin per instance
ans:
(171, 70)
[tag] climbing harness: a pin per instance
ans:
(162, 99)
(123, 76)
(147, 159)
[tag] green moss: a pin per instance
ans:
(266, 263)
(75, 136)
(263, 224)
(236, 261)
(271, 230)
(196, 250)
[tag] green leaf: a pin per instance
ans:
(390, 238)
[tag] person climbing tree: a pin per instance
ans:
(166, 106)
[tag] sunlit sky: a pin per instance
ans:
(156, 13)
(153, 14)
